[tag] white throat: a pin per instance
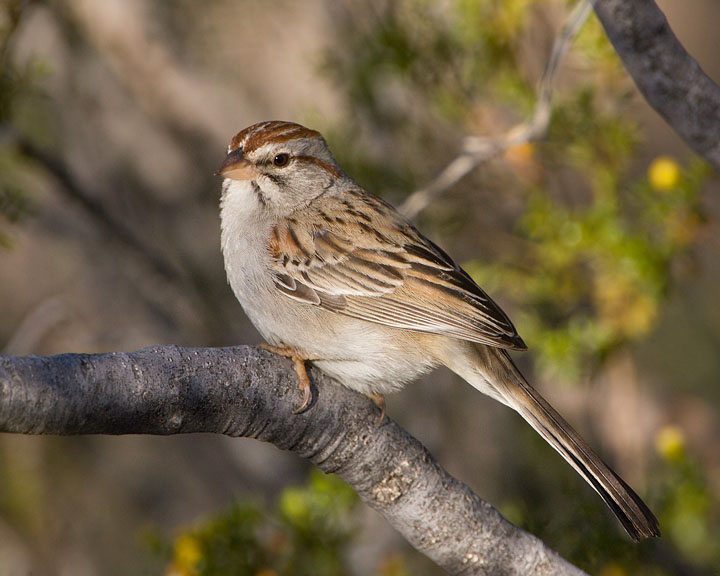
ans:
(244, 225)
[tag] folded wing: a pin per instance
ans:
(358, 257)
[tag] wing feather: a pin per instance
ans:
(387, 273)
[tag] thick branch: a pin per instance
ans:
(670, 79)
(243, 391)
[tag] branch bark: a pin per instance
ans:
(669, 78)
(243, 391)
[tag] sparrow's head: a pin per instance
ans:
(285, 164)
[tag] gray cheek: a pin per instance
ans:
(286, 191)
(313, 181)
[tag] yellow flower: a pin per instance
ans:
(670, 443)
(664, 173)
(523, 162)
(613, 569)
(188, 553)
(523, 152)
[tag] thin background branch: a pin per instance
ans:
(671, 81)
(477, 150)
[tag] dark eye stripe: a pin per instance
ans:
(329, 168)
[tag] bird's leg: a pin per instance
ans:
(299, 360)
(379, 400)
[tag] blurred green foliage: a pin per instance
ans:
(686, 501)
(595, 276)
(544, 498)
(19, 89)
(14, 205)
(307, 533)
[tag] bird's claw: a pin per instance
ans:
(300, 370)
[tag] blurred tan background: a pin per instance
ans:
(139, 100)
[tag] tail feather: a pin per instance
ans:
(628, 507)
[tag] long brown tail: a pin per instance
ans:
(500, 371)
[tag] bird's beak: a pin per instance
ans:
(237, 167)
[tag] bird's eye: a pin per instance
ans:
(281, 159)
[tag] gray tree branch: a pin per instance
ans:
(672, 82)
(243, 391)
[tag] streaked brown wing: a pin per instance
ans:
(387, 273)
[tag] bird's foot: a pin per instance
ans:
(299, 360)
(379, 400)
